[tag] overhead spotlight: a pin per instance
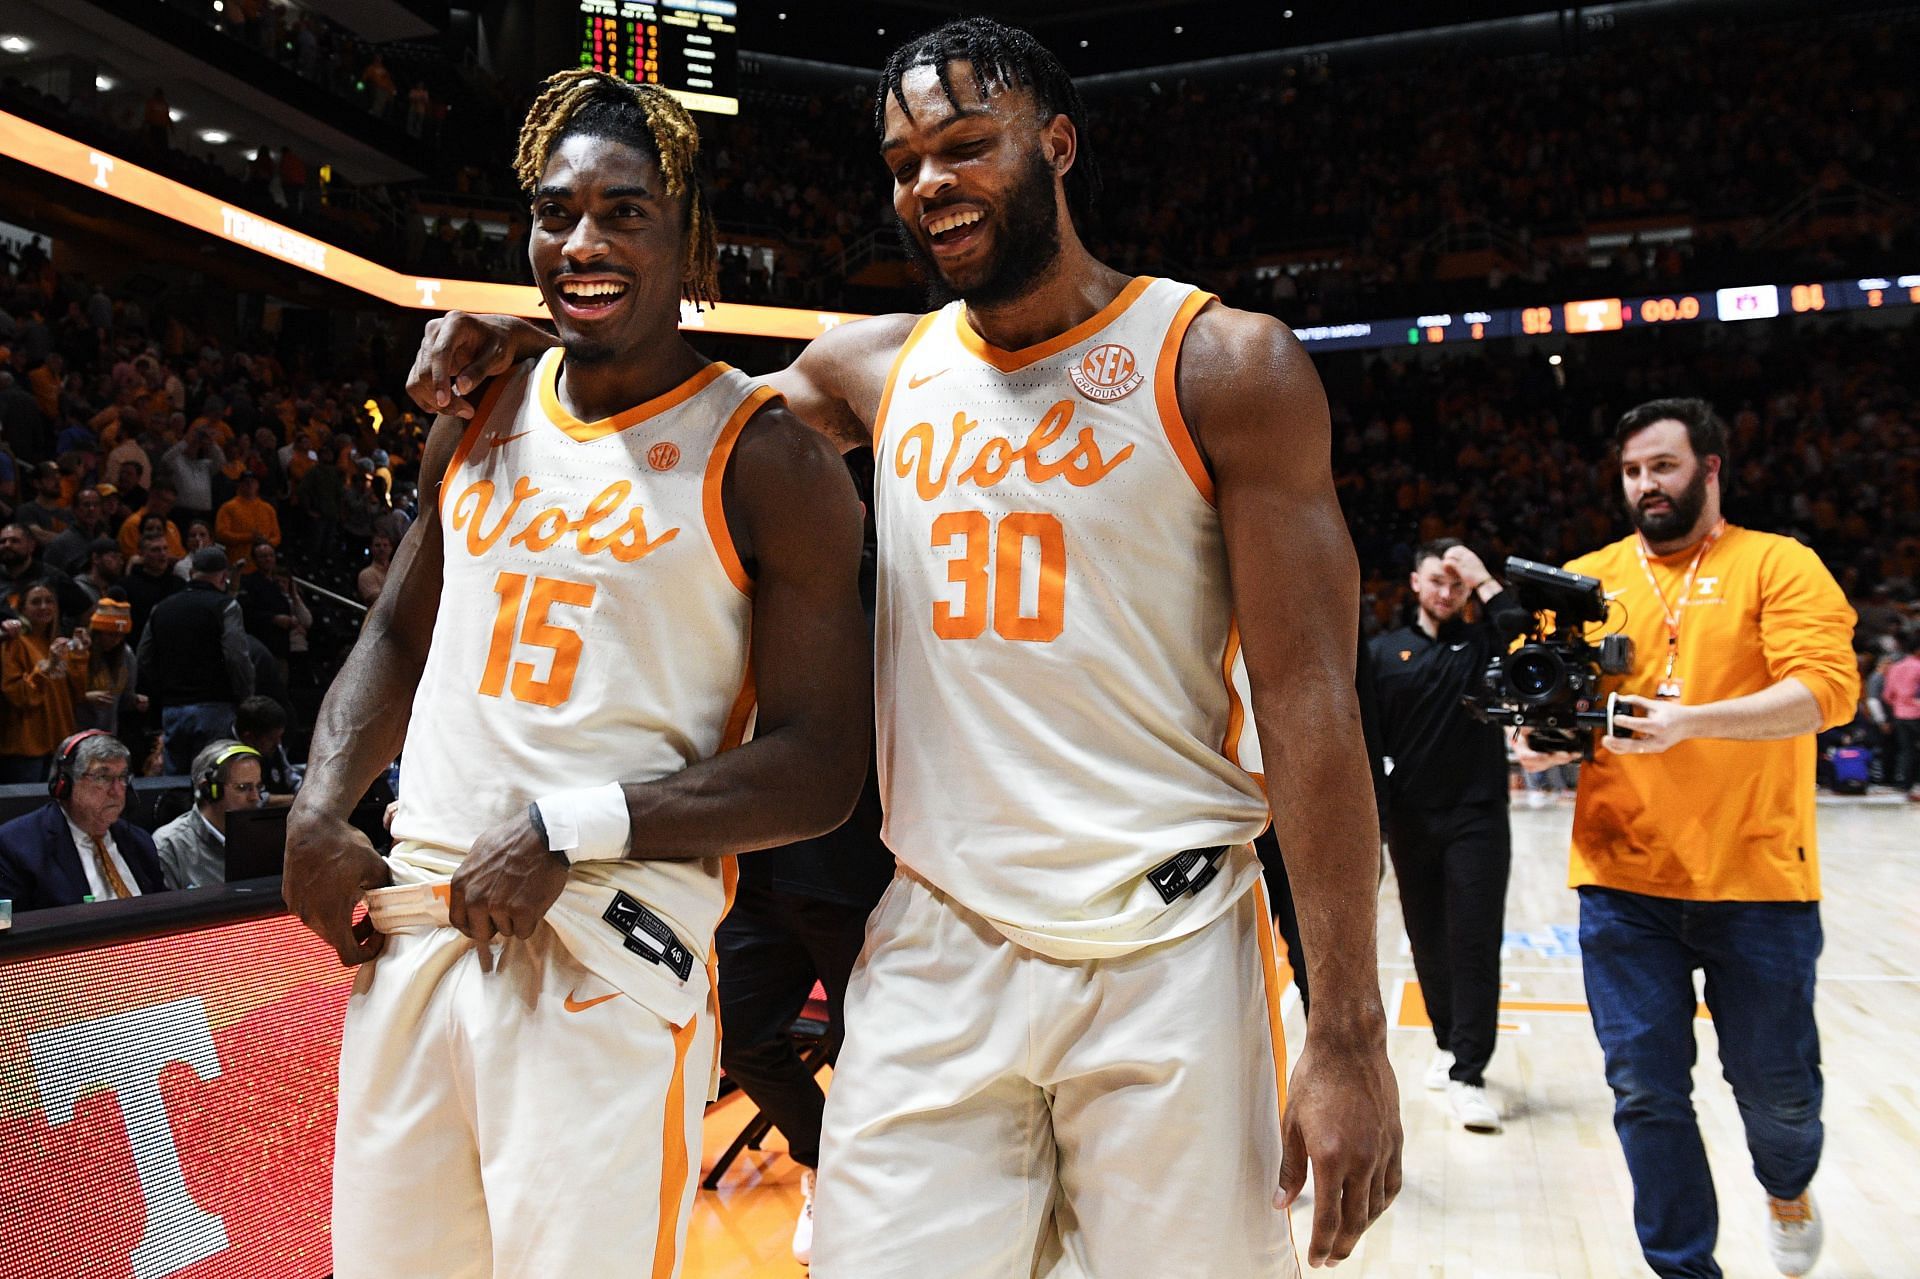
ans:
(104, 83)
(1179, 31)
(175, 114)
(219, 7)
(1287, 14)
(883, 31)
(16, 44)
(1083, 44)
(1553, 359)
(783, 17)
(215, 137)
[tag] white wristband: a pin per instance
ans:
(587, 825)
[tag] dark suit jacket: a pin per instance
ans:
(40, 867)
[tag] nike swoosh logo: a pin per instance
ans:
(573, 1005)
(501, 441)
(915, 382)
(1456, 647)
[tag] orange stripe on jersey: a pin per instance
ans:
(549, 375)
(1167, 399)
(711, 504)
(1014, 361)
(471, 435)
(1236, 713)
(674, 1160)
(893, 373)
(743, 703)
(1270, 966)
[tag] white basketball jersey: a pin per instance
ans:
(1062, 703)
(592, 628)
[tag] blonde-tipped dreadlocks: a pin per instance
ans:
(642, 115)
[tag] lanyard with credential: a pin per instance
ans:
(1686, 589)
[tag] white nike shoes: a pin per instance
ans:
(1436, 1079)
(803, 1228)
(1472, 1106)
(1794, 1234)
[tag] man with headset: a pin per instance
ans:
(78, 847)
(193, 846)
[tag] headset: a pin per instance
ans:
(207, 787)
(60, 783)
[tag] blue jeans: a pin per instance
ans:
(190, 727)
(1639, 954)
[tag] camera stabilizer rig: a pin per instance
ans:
(1550, 684)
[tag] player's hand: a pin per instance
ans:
(507, 883)
(330, 865)
(1533, 761)
(1468, 566)
(459, 351)
(1655, 726)
(1343, 1118)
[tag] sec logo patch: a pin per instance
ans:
(663, 456)
(1107, 373)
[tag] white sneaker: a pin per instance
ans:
(1794, 1233)
(1539, 798)
(1437, 1069)
(1472, 1106)
(803, 1228)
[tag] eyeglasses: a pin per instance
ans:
(245, 788)
(106, 780)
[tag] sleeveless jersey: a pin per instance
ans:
(592, 628)
(1061, 700)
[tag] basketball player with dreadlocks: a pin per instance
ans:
(1115, 628)
(521, 1091)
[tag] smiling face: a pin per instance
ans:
(976, 188)
(608, 246)
(1439, 590)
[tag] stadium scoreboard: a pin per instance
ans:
(691, 48)
(1611, 315)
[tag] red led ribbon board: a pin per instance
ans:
(167, 1107)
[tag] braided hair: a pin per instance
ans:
(1001, 57)
(644, 116)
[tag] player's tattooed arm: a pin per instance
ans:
(1259, 417)
(795, 517)
(362, 723)
(459, 351)
(836, 385)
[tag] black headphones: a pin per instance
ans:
(207, 787)
(60, 784)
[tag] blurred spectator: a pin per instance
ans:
(194, 462)
(193, 846)
(42, 675)
(72, 549)
(158, 506)
(1901, 693)
(374, 576)
(196, 694)
(112, 671)
(261, 723)
(106, 567)
(293, 179)
(43, 515)
(199, 536)
(150, 580)
(157, 121)
(79, 847)
(270, 605)
(244, 519)
(21, 567)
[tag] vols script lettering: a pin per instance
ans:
(626, 541)
(1081, 466)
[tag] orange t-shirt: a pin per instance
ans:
(1715, 820)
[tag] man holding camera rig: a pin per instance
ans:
(1693, 836)
(1445, 814)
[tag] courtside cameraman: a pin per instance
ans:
(1693, 836)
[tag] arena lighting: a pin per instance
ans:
(104, 83)
(16, 44)
(175, 114)
(215, 137)
(77, 162)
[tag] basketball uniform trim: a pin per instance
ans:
(711, 506)
(471, 436)
(1014, 361)
(673, 1158)
(893, 372)
(548, 376)
(1236, 713)
(1276, 1022)
(1166, 395)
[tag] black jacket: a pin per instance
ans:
(40, 867)
(195, 649)
(1441, 756)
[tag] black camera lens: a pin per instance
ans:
(1536, 673)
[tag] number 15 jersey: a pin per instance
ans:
(1061, 698)
(593, 628)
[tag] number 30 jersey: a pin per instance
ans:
(1062, 703)
(592, 628)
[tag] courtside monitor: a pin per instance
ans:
(691, 48)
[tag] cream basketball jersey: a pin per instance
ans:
(592, 628)
(1063, 710)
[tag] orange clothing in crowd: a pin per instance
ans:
(130, 537)
(240, 521)
(40, 708)
(1714, 820)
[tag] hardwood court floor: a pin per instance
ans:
(1549, 1197)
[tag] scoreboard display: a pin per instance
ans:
(1613, 315)
(690, 48)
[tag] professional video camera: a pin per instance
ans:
(1550, 684)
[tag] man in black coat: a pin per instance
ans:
(194, 660)
(79, 847)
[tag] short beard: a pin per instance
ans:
(1680, 517)
(1026, 244)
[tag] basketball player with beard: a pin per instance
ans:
(1694, 841)
(1115, 629)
